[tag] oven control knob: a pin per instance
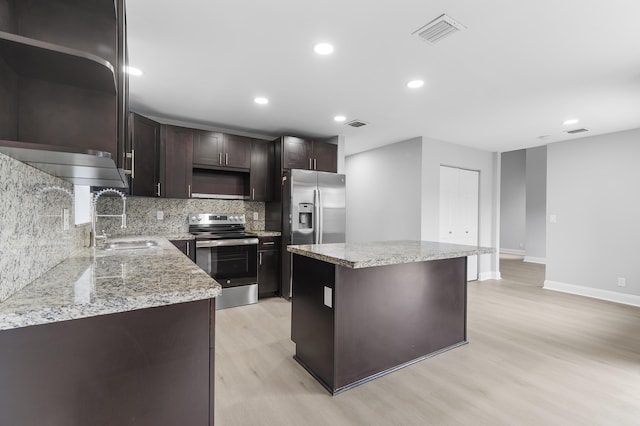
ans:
(232, 218)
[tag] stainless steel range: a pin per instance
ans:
(229, 254)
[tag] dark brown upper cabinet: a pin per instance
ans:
(325, 157)
(144, 140)
(260, 181)
(298, 153)
(61, 75)
(216, 150)
(176, 153)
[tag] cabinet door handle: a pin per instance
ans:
(220, 158)
(310, 165)
(260, 255)
(158, 189)
(226, 158)
(133, 164)
(315, 166)
(253, 194)
(189, 190)
(188, 248)
(269, 243)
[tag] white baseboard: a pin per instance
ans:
(596, 293)
(511, 251)
(532, 259)
(491, 275)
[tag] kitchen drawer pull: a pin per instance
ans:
(220, 158)
(158, 189)
(226, 158)
(269, 243)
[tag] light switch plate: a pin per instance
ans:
(65, 219)
(328, 296)
(255, 215)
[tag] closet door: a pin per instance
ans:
(459, 207)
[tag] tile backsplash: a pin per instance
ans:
(33, 238)
(142, 214)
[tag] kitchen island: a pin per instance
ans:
(111, 337)
(362, 310)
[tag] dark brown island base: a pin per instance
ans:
(360, 311)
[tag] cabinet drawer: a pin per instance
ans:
(269, 243)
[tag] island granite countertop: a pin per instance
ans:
(96, 282)
(380, 253)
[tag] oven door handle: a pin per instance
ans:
(226, 243)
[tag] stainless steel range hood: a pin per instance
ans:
(76, 165)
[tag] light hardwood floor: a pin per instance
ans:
(535, 357)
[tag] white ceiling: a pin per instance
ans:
(518, 70)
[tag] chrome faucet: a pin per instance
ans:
(95, 215)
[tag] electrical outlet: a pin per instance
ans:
(553, 218)
(255, 216)
(622, 282)
(160, 215)
(65, 219)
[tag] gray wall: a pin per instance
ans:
(593, 191)
(393, 192)
(513, 195)
(384, 193)
(536, 204)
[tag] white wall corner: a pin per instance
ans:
(595, 293)
(491, 275)
(533, 259)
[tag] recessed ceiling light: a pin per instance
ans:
(132, 70)
(340, 118)
(323, 48)
(414, 84)
(261, 101)
(570, 122)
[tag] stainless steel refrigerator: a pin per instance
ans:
(314, 212)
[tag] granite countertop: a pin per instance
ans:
(188, 236)
(380, 253)
(96, 282)
(267, 233)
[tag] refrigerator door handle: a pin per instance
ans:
(320, 218)
(316, 216)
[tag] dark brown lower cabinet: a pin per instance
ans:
(351, 326)
(151, 366)
(268, 266)
(188, 247)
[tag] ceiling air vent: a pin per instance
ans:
(356, 123)
(573, 132)
(438, 29)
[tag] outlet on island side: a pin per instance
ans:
(622, 281)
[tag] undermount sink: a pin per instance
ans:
(127, 245)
